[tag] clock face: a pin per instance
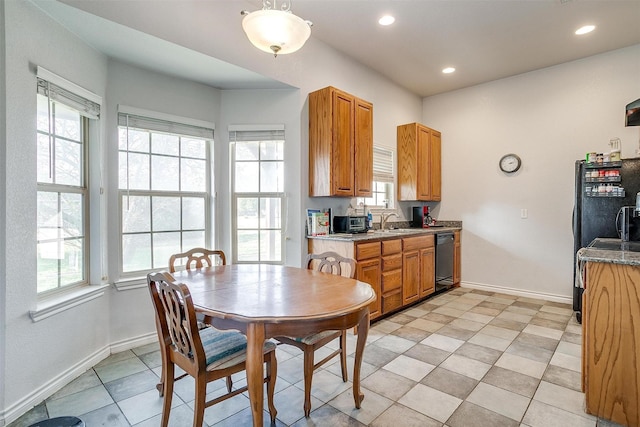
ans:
(510, 163)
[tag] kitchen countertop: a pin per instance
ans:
(612, 256)
(388, 234)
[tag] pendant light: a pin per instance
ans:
(276, 30)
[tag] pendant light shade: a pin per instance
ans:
(276, 31)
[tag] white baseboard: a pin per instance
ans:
(519, 292)
(37, 396)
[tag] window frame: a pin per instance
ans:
(205, 195)
(281, 196)
(59, 189)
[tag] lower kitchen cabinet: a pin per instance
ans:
(401, 271)
(457, 259)
(392, 278)
(611, 342)
(368, 270)
(418, 271)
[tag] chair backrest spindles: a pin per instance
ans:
(331, 262)
(197, 258)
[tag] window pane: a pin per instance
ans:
(247, 212)
(271, 177)
(68, 163)
(270, 245)
(71, 263)
(47, 266)
(165, 245)
(194, 175)
(138, 140)
(67, 122)
(43, 113)
(136, 252)
(193, 239)
(47, 215)
(247, 177)
(72, 218)
(247, 150)
(196, 148)
(247, 245)
(193, 213)
(165, 144)
(272, 150)
(138, 171)
(44, 159)
(270, 213)
(166, 213)
(164, 173)
(136, 214)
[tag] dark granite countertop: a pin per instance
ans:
(396, 233)
(614, 256)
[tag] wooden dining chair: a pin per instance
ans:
(197, 258)
(328, 262)
(206, 354)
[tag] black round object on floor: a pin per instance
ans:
(60, 422)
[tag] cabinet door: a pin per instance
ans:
(410, 277)
(363, 148)
(436, 165)
(457, 259)
(342, 144)
(427, 271)
(368, 271)
(424, 163)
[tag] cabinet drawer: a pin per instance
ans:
(391, 280)
(391, 302)
(391, 247)
(412, 243)
(391, 262)
(367, 250)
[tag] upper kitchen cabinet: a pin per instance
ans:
(340, 144)
(419, 163)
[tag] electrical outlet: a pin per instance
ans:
(524, 214)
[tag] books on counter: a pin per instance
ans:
(318, 222)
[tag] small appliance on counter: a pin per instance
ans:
(421, 217)
(350, 224)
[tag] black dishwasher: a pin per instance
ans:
(444, 261)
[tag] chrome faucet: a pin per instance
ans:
(384, 218)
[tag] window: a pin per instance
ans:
(63, 119)
(383, 194)
(258, 195)
(164, 179)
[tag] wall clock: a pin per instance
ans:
(509, 163)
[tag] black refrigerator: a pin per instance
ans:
(601, 190)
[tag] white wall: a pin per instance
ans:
(131, 311)
(550, 118)
(36, 353)
(263, 107)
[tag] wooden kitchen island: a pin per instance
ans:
(611, 334)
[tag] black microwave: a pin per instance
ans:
(350, 224)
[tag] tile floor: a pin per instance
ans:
(463, 358)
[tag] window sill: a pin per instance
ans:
(130, 284)
(51, 306)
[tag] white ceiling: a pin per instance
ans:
(484, 40)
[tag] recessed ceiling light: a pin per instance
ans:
(448, 70)
(386, 20)
(586, 29)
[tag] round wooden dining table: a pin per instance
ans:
(264, 301)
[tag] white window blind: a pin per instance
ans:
(56, 93)
(261, 135)
(165, 126)
(382, 164)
